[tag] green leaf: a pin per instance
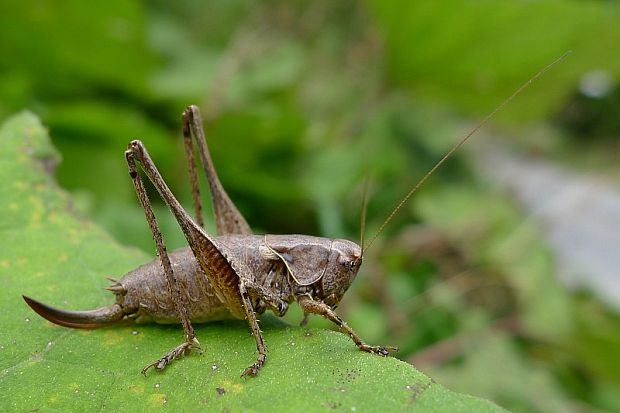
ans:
(50, 253)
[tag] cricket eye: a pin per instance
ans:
(347, 263)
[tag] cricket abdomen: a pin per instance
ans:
(142, 297)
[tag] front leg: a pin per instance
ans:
(318, 307)
(273, 301)
(250, 315)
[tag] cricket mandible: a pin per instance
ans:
(236, 274)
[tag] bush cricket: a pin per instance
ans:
(235, 274)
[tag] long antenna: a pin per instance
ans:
(363, 214)
(460, 143)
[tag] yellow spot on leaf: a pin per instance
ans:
(37, 208)
(62, 257)
(13, 206)
(231, 387)
(158, 399)
(112, 338)
(5, 264)
(32, 363)
(136, 388)
(56, 218)
(74, 236)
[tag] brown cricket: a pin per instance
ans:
(236, 274)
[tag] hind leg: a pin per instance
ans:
(174, 290)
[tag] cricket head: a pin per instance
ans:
(345, 259)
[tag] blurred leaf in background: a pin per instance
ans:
(302, 101)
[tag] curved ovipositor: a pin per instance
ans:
(100, 317)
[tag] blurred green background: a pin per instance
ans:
(304, 100)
